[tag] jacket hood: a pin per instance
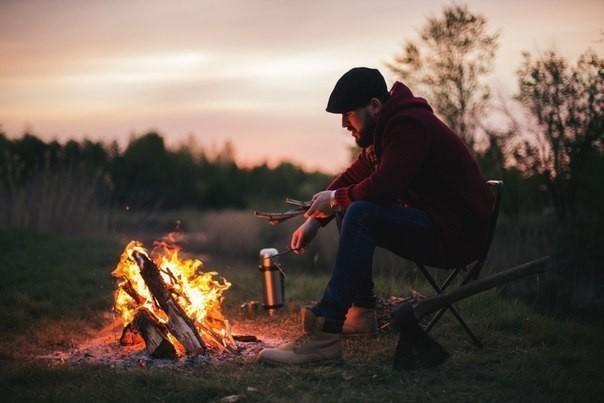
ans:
(401, 98)
(401, 101)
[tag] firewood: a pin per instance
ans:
(246, 338)
(179, 324)
(155, 335)
(130, 336)
(127, 286)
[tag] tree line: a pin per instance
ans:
(148, 175)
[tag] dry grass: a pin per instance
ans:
(63, 202)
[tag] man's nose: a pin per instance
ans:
(344, 121)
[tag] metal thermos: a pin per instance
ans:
(273, 280)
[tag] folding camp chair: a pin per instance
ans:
(472, 270)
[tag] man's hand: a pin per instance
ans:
(304, 235)
(321, 205)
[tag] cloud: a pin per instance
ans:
(252, 71)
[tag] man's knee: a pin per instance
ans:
(359, 210)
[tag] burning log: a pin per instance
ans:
(155, 335)
(130, 336)
(182, 302)
(129, 289)
(181, 327)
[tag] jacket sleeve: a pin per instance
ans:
(404, 149)
(355, 173)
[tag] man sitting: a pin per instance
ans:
(414, 190)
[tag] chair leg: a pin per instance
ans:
(449, 279)
(438, 290)
(440, 313)
(463, 324)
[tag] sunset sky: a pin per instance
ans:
(256, 73)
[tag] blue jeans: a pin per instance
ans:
(407, 232)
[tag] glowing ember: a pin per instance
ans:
(199, 294)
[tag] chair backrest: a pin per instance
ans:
(496, 187)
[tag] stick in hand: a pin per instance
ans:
(278, 218)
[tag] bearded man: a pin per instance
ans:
(414, 189)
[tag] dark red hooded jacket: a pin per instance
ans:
(417, 161)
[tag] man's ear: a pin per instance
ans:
(375, 106)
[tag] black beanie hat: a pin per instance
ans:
(355, 89)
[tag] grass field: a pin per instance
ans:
(56, 291)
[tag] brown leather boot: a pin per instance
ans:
(314, 347)
(360, 322)
(307, 319)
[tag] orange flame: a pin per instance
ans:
(199, 294)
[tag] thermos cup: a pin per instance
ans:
(273, 280)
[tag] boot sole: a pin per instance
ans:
(360, 335)
(330, 361)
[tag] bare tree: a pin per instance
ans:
(448, 63)
(567, 106)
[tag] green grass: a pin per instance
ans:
(56, 291)
(56, 281)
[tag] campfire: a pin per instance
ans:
(169, 302)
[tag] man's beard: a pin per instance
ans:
(366, 133)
